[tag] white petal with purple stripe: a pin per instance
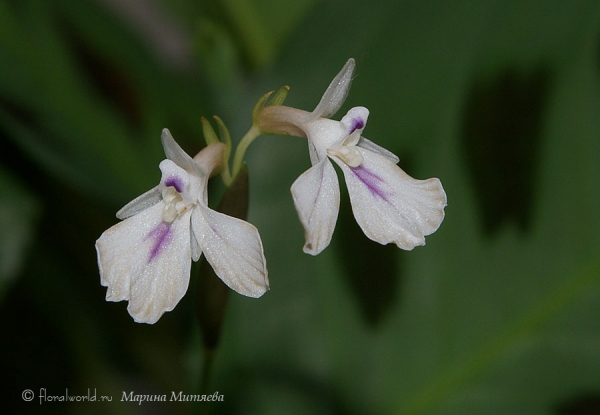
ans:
(147, 262)
(391, 206)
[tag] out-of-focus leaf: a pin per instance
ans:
(19, 211)
(217, 51)
(87, 94)
(234, 31)
(535, 361)
(263, 25)
(57, 115)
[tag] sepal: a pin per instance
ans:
(176, 154)
(234, 250)
(316, 196)
(336, 92)
(140, 203)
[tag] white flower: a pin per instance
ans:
(388, 204)
(146, 259)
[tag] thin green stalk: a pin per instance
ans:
(226, 175)
(208, 360)
(224, 134)
(240, 151)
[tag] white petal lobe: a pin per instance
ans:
(234, 250)
(316, 196)
(391, 206)
(147, 262)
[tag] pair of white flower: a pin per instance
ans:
(146, 259)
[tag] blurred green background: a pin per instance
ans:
(498, 314)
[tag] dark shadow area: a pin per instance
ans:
(582, 404)
(502, 128)
(371, 269)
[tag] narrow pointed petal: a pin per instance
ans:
(316, 196)
(336, 92)
(371, 146)
(195, 245)
(147, 262)
(142, 202)
(176, 154)
(391, 206)
(234, 250)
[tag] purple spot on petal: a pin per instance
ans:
(372, 181)
(357, 124)
(161, 236)
(175, 182)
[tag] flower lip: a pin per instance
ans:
(162, 235)
(372, 181)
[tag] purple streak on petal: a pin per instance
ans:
(357, 124)
(161, 235)
(372, 181)
(215, 230)
(176, 182)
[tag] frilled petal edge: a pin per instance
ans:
(147, 262)
(391, 206)
(316, 196)
(234, 250)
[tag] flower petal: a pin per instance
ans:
(371, 146)
(147, 262)
(391, 206)
(323, 134)
(316, 196)
(355, 120)
(142, 202)
(176, 154)
(234, 250)
(195, 245)
(336, 92)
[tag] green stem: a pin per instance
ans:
(208, 360)
(226, 175)
(240, 151)
(212, 293)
